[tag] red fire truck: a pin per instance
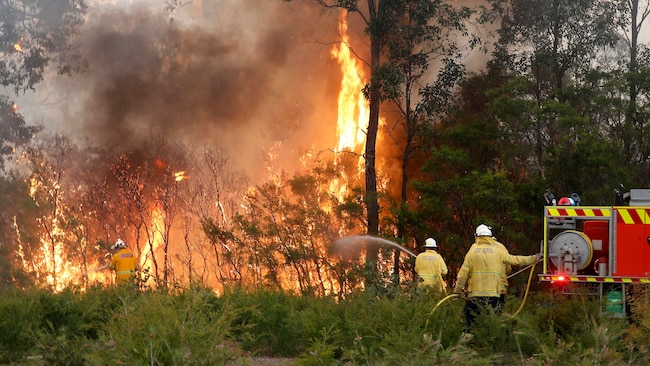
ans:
(607, 246)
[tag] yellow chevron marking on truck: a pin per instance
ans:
(625, 215)
(570, 212)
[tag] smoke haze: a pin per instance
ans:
(240, 75)
(243, 76)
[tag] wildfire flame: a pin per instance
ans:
(156, 241)
(18, 46)
(353, 107)
(179, 176)
(51, 261)
(353, 112)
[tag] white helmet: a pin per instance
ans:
(119, 244)
(430, 243)
(483, 230)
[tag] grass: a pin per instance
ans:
(192, 326)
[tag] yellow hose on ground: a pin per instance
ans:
(452, 296)
(530, 277)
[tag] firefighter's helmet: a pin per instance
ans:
(483, 230)
(119, 244)
(430, 243)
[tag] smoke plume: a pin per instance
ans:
(242, 75)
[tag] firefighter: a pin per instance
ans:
(123, 263)
(482, 271)
(507, 269)
(430, 267)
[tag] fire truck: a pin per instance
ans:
(607, 247)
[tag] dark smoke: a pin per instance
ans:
(243, 75)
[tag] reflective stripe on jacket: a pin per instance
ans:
(507, 268)
(430, 266)
(124, 263)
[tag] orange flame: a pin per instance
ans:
(179, 176)
(159, 164)
(18, 46)
(353, 107)
(156, 241)
(50, 261)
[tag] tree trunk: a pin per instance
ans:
(371, 139)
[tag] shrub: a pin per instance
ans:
(158, 328)
(102, 326)
(21, 314)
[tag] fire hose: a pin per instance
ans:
(455, 296)
(452, 296)
(530, 278)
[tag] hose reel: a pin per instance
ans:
(570, 251)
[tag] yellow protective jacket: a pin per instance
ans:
(430, 266)
(483, 267)
(507, 269)
(123, 263)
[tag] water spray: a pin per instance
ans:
(368, 239)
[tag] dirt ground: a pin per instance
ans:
(261, 361)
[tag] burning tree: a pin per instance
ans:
(200, 223)
(59, 253)
(33, 36)
(206, 224)
(404, 37)
(284, 236)
(152, 193)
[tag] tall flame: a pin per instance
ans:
(352, 105)
(51, 261)
(155, 242)
(353, 108)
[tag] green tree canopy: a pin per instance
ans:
(33, 35)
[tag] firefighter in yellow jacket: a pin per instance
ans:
(507, 269)
(430, 267)
(482, 271)
(123, 263)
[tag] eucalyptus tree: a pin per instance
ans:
(470, 178)
(376, 18)
(633, 131)
(214, 199)
(282, 237)
(17, 222)
(152, 194)
(14, 131)
(553, 40)
(34, 34)
(636, 12)
(548, 48)
(403, 37)
(425, 46)
(51, 160)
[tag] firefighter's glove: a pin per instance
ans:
(538, 257)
